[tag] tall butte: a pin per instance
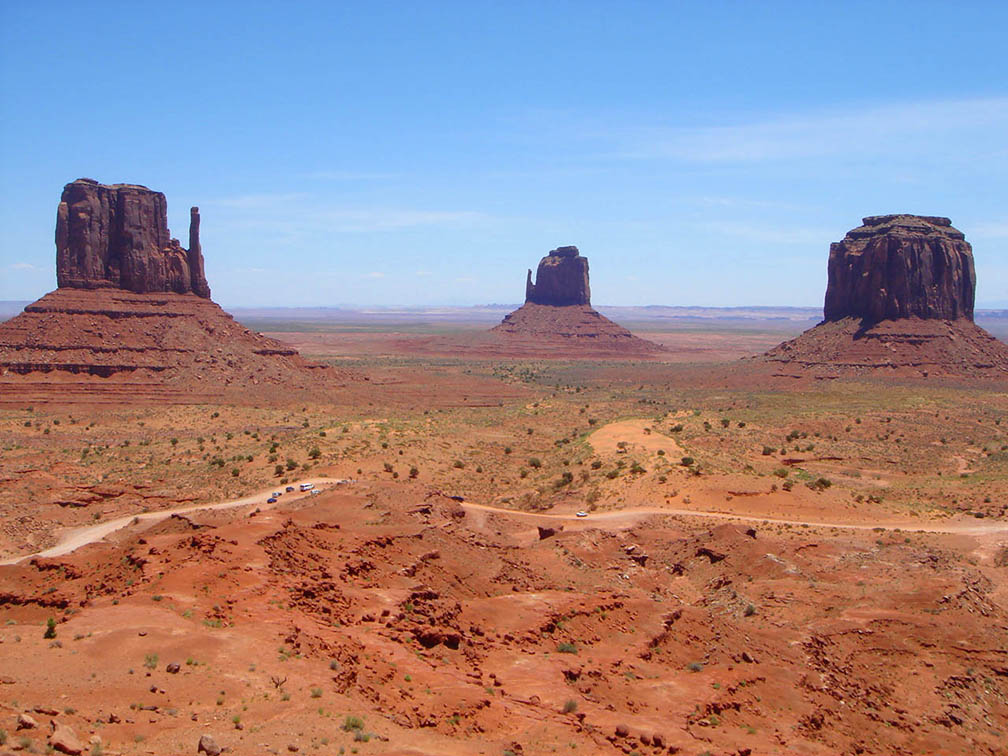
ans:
(557, 317)
(132, 316)
(899, 298)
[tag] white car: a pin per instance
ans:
(582, 513)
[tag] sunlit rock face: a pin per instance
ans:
(116, 236)
(901, 266)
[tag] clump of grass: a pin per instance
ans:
(566, 648)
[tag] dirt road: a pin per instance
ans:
(77, 537)
(628, 517)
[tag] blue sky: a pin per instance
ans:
(428, 153)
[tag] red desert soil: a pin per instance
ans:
(403, 622)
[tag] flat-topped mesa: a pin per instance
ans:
(116, 236)
(901, 266)
(561, 279)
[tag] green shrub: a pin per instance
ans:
(566, 648)
(50, 631)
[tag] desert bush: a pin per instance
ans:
(566, 648)
(351, 724)
(50, 631)
(570, 706)
(535, 463)
(694, 666)
(413, 472)
(315, 452)
(458, 464)
(768, 450)
(686, 461)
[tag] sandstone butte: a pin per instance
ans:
(132, 317)
(557, 317)
(899, 299)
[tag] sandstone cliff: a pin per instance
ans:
(117, 237)
(561, 279)
(901, 266)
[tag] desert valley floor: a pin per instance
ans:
(767, 564)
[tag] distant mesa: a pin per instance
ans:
(899, 297)
(557, 317)
(132, 316)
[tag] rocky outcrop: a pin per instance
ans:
(557, 319)
(899, 301)
(901, 266)
(117, 236)
(125, 311)
(562, 279)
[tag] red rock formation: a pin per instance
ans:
(557, 318)
(901, 266)
(562, 279)
(117, 236)
(900, 300)
(134, 306)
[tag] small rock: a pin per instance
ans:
(622, 731)
(114, 719)
(64, 740)
(208, 746)
(173, 668)
(293, 748)
(658, 740)
(26, 722)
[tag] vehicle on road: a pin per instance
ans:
(271, 500)
(275, 493)
(307, 486)
(289, 489)
(582, 513)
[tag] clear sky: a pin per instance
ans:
(370, 153)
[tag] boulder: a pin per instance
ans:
(64, 740)
(26, 722)
(116, 236)
(208, 746)
(901, 266)
(561, 279)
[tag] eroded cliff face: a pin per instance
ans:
(901, 266)
(116, 236)
(561, 280)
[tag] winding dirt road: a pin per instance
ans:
(77, 537)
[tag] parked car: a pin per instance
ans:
(289, 489)
(582, 513)
(307, 486)
(275, 493)
(271, 500)
(315, 492)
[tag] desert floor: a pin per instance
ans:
(765, 566)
